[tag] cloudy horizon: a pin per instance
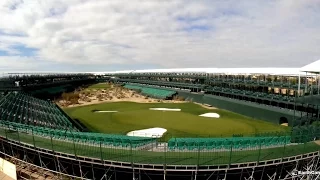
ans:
(99, 35)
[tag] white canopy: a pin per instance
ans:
(266, 71)
(231, 71)
(312, 67)
(176, 70)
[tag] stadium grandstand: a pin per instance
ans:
(43, 141)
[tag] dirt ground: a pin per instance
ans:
(317, 142)
(113, 94)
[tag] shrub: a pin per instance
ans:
(74, 101)
(71, 97)
(178, 98)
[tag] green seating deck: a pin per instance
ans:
(235, 143)
(163, 83)
(113, 140)
(152, 92)
(261, 95)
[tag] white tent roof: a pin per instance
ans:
(243, 71)
(177, 70)
(271, 71)
(115, 72)
(312, 67)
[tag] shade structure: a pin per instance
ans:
(312, 67)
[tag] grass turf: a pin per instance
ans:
(98, 86)
(187, 123)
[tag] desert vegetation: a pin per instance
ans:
(106, 92)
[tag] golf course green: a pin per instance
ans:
(131, 116)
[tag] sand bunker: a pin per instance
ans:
(104, 111)
(212, 115)
(151, 132)
(164, 109)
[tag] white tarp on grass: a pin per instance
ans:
(151, 132)
(164, 109)
(212, 115)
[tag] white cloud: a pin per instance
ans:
(13, 63)
(246, 33)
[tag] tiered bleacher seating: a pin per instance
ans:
(21, 108)
(163, 83)
(258, 83)
(262, 95)
(152, 92)
(111, 140)
(52, 90)
(132, 87)
(1, 95)
(236, 143)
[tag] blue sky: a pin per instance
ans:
(19, 50)
(99, 35)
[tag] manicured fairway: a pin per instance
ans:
(187, 123)
(99, 86)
